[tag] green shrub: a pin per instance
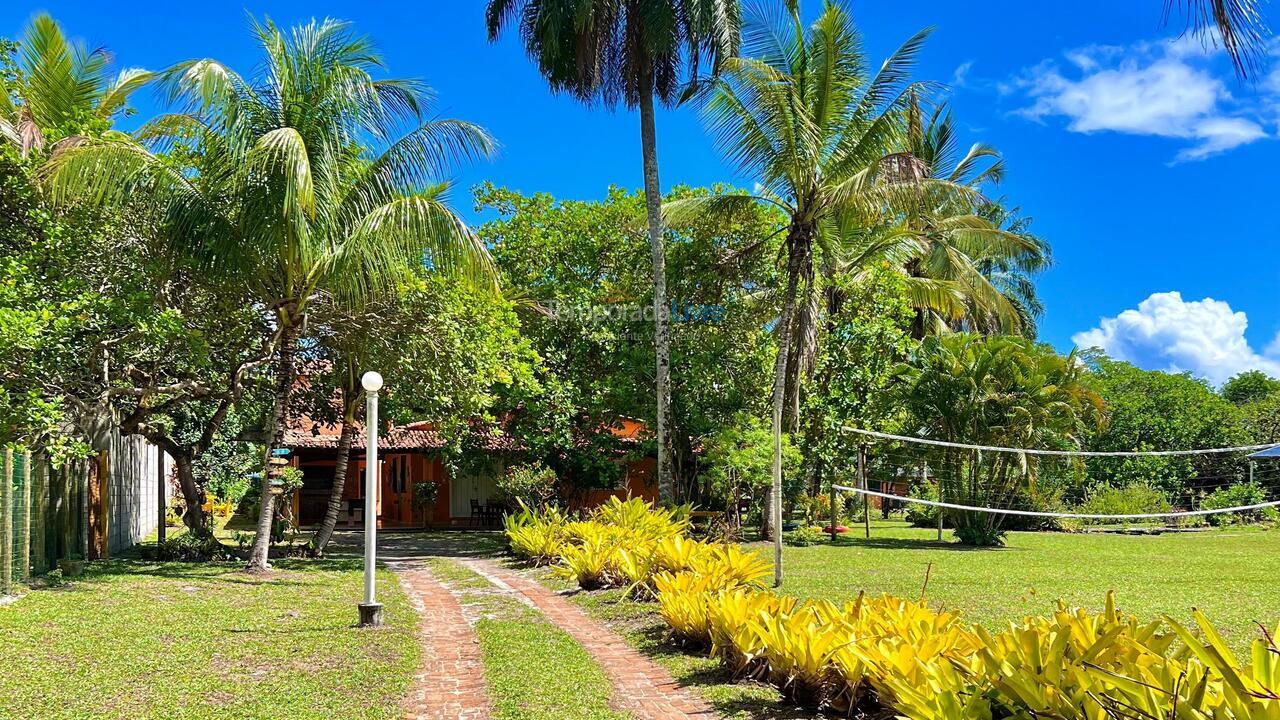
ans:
(981, 535)
(804, 537)
(1135, 499)
(188, 547)
(533, 485)
(1246, 493)
(923, 515)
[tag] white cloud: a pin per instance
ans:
(1164, 89)
(1165, 332)
(961, 73)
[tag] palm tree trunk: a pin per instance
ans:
(779, 401)
(274, 430)
(351, 404)
(661, 326)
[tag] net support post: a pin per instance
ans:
(866, 499)
(834, 514)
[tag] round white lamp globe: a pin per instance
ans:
(371, 381)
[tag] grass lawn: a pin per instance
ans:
(534, 670)
(167, 640)
(1230, 574)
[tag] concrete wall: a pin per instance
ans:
(133, 502)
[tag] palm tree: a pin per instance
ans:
(1012, 275)
(629, 51)
(1002, 391)
(1244, 33)
(310, 177)
(61, 88)
(964, 239)
(806, 117)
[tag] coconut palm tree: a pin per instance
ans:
(633, 52)
(310, 177)
(61, 88)
(964, 239)
(1238, 23)
(806, 117)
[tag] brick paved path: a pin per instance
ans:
(450, 683)
(640, 687)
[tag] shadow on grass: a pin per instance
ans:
(742, 698)
(912, 544)
(228, 572)
(419, 545)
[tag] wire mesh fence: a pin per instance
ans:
(42, 507)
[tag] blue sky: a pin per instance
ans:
(1141, 158)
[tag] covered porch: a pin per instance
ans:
(468, 501)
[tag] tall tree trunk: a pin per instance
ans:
(193, 494)
(795, 266)
(661, 317)
(350, 406)
(274, 431)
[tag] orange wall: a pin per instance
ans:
(640, 481)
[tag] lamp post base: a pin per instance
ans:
(370, 614)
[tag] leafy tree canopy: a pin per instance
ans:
(1250, 386)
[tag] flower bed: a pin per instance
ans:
(873, 654)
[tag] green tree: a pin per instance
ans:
(739, 459)
(111, 334)
(579, 267)
(805, 116)
(974, 244)
(1155, 410)
(310, 176)
(634, 52)
(1250, 386)
(854, 373)
(446, 350)
(58, 88)
(1001, 391)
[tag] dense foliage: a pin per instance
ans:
(997, 391)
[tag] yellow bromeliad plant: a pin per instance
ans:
(734, 618)
(683, 600)
(800, 648)
(1204, 680)
(677, 553)
(903, 647)
(593, 561)
(537, 537)
(732, 563)
(1040, 667)
(645, 520)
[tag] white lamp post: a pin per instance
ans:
(370, 609)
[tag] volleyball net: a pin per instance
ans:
(1035, 487)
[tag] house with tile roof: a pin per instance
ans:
(411, 454)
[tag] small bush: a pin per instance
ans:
(981, 535)
(1139, 498)
(920, 515)
(533, 485)
(188, 547)
(1245, 493)
(804, 537)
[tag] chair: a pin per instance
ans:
(355, 509)
(477, 511)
